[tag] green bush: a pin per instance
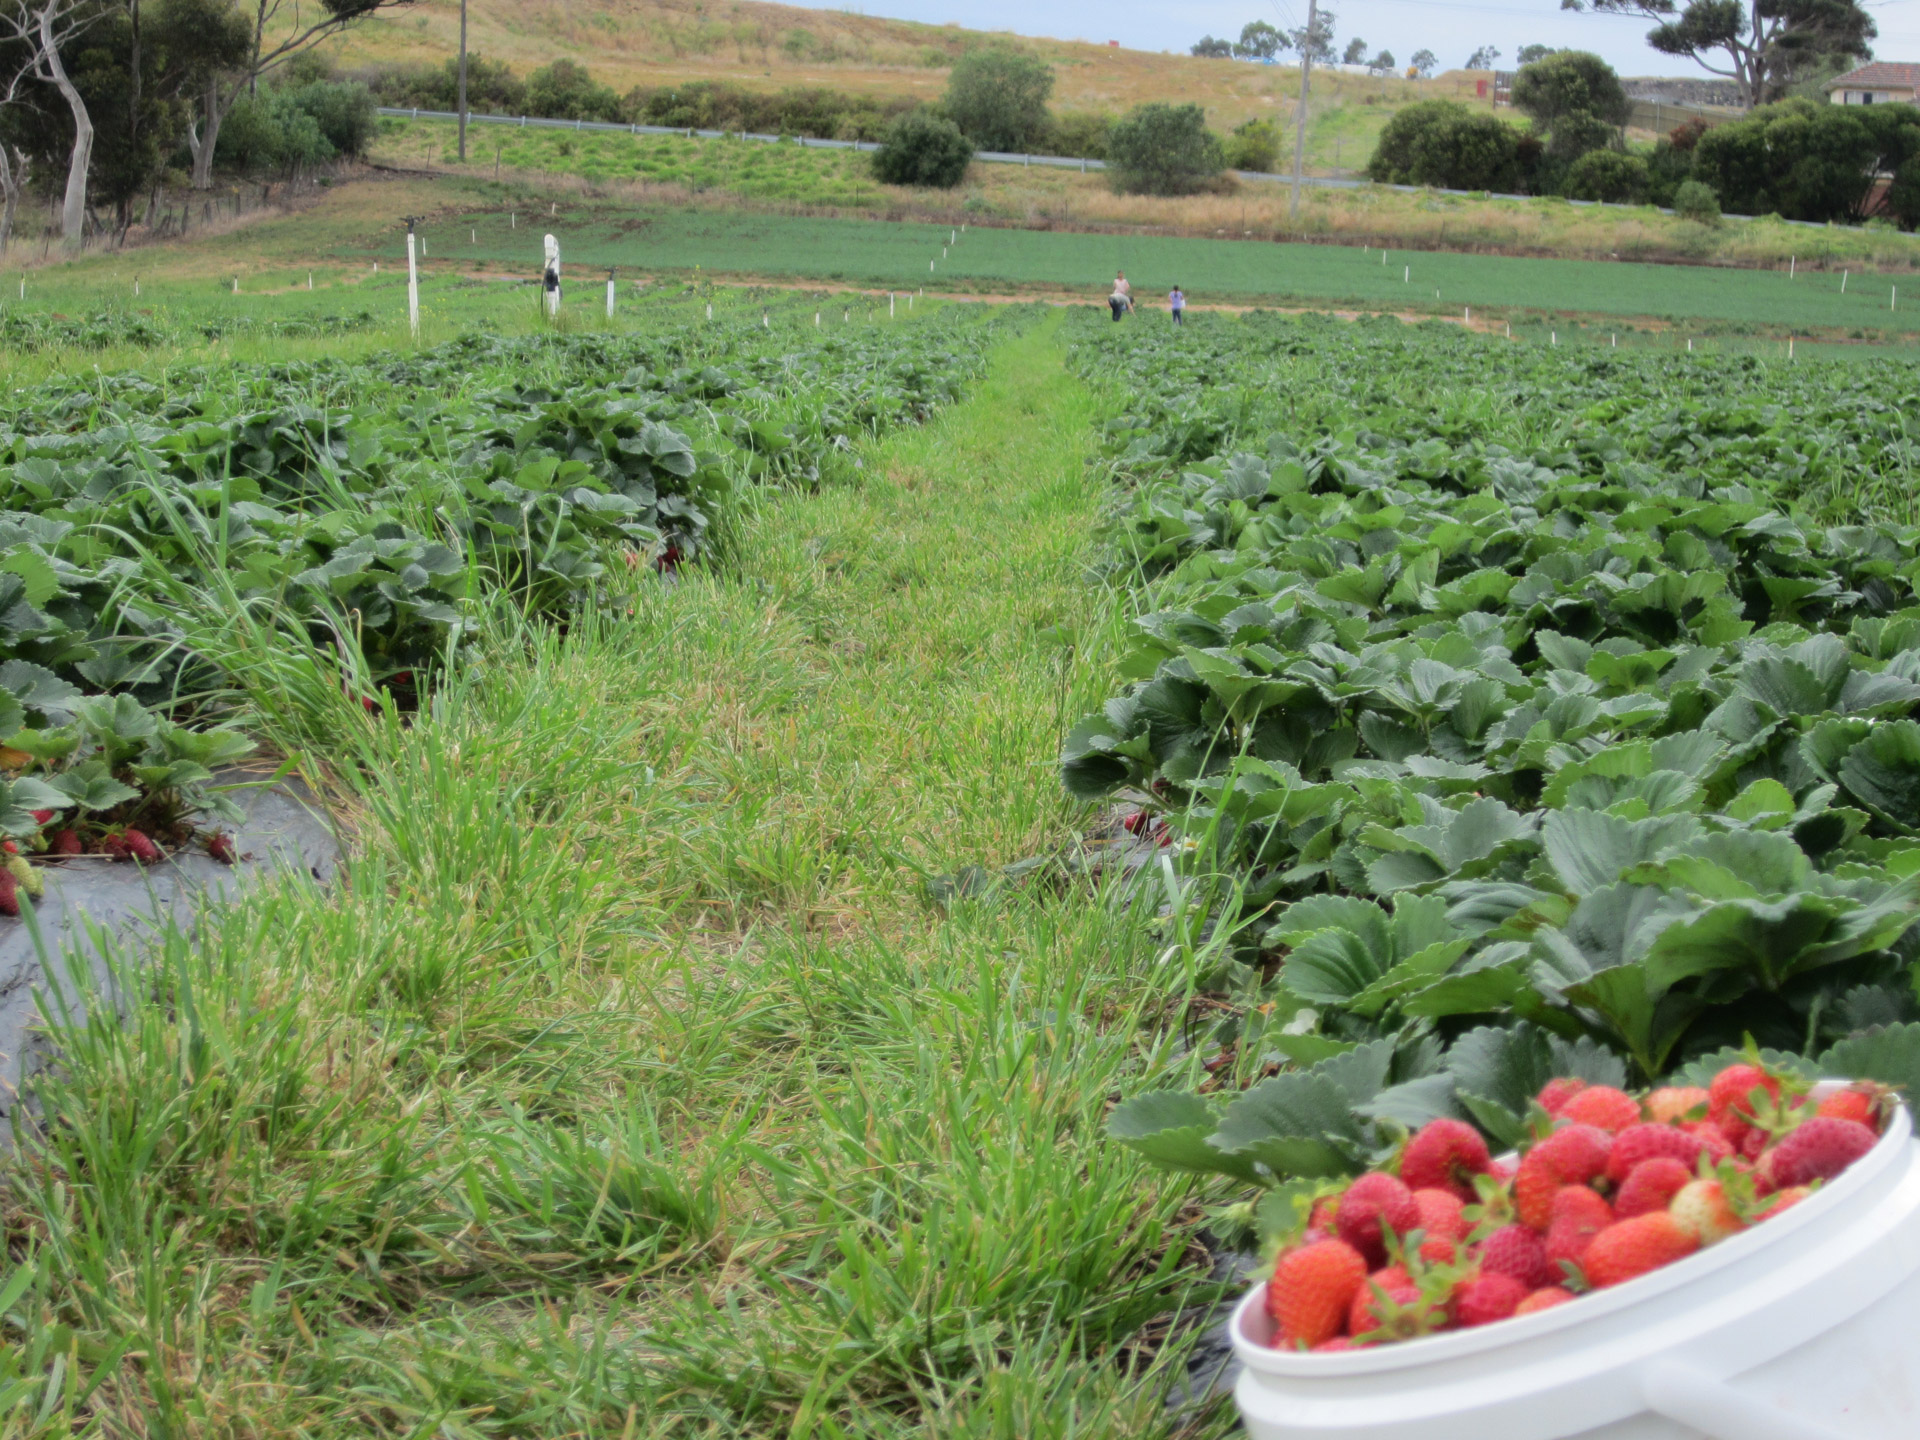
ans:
(1806, 161)
(1443, 143)
(1695, 200)
(1904, 198)
(566, 91)
(1254, 146)
(1163, 149)
(1079, 133)
(998, 97)
(1609, 175)
(923, 149)
(1575, 100)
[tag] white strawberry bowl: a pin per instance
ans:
(1805, 1327)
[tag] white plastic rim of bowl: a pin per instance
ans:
(1805, 1327)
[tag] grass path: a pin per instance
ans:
(631, 1085)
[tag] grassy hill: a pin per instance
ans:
(650, 42)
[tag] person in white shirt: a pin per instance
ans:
(1122, 297)
(1177, 302)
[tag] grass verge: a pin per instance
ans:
(630, 1085)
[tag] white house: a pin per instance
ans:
(1881, 83)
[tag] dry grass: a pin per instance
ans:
(650, 42)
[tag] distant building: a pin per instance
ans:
(1881, 83)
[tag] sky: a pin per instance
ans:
(1452, 29)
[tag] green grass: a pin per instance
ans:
(629, 1084)
(896, 254)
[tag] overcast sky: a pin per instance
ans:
(1452, 29)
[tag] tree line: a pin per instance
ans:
(101, 99)
(1796, 158)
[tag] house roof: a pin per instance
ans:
(1882, 72)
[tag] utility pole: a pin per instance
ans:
(1307, 42)
(463, 82)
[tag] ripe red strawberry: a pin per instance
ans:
(1632, 1248)
(1554, 1094)
(220, 847)
(1818, 1149)
(1731, 1096)
(1311, 1291)
(66, 842)
(41, 817)
(1785, 1200)
(1637, 1144)
(1444, 1155)
(1517, 1251)
(1372, 1202)
(1578, 1215)
(1486, 1298)
(1542, 1300)
(1674, 1103)
(1703, 1210)
(9, 894)
(1574, 1155)
(1337, 1344)
(1438, 1250)
(1852, 1104)
(1712, 1137)
(1602, 1107)
(142, 848)
(1651, 1187)
(1136, 822)
(1442, 1215)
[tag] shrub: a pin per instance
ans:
(1443, 143)
(998, 97)
(1609, 175)
(1696, 201)
(1161, 149)
(1669, 167)
(1576, 101)
(923, 149)
(1806, 161)
(566, 91)
(1080, 133)
(815, 111)
(1254, 146)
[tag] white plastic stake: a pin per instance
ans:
(513, 219)
(1553, 337)
(423, 244)
(1893, 302)
(413, 288)
(1407, 279)
(765, 323)
(1616, 342)
(709, 309)
(1509, 329)
(890, 300)
(609, 299)
(473, 236)
(930, 265)
(556, 208)
(943, 252)
(1789, 347)
(953, 237)
(1793, 266)
(1469, 315)
(816, 319)
(1689, 344)
(1843, 282)
(236, 284)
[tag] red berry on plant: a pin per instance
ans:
(1602, 1107)
(1554, 1094)
(1444, 1155)
(1373, 1203)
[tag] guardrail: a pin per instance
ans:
(992, 157)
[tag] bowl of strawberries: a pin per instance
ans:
(1739, 1261)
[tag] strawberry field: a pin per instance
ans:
(1508, 716)
(374, 508)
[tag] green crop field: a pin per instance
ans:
(908, 256)
(889, 842)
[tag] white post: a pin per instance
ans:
(1843, 282)
(1469, 315)
(1407, 279)
(513, 219)
(890, 300)
(473, 236)
(1616, 341)
(609, 297)
(1553, 337)
(236, 284)
(765, 323)
(1789, 347)
(930, 265)
(136, 284)
(1793, 266)
(816, 319)
(423, 244)
(413, 287)
(1509, 329)
(709, 309)
(1689, 344)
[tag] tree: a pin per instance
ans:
(1575, 100)
(923, 149)
(1209, 48)
(1318, 46)
(1696, 201)
(1425, 62)
(1445, 144)
(301, 30)
(1903, 199)
(1382, 64)
(1355, 53)
(1163, 149)
(37, 29)
(1259, 41)
(1485, 58)
(1765, 43)
(998, 97)
(1530, 54)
